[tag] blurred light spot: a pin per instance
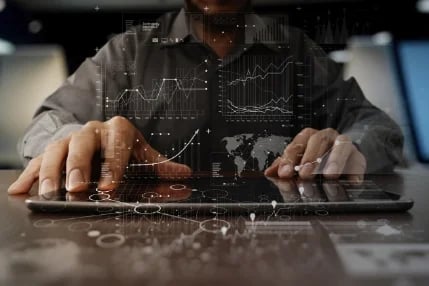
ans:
(35, 26)
(6, 47)
(423, 6)
(2, 5)
(382, 38)
(340, 56)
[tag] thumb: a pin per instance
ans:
(150, 159)
(170, 169)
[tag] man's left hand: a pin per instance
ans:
(310, 148)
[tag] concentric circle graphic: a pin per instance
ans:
(177, 187)
(79, 226)
(146, 209)
(100, 197)
(214, 225)
(150, 195)
(110, 240)
(41, 223)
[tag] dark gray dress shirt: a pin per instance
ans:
(169, 84)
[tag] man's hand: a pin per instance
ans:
(117, 139)
(310, 148)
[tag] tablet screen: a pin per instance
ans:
(211, 191)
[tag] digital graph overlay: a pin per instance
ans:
(257, 88)
(271, 30)
(184, 151)
(167, 98)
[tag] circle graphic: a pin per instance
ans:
(99, 197)
(150, 195)
(214, 225)
(41, 223)
(110, 240)
(146, 209)
(177, 187)
(79, 226)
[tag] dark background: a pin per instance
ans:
(80, 28)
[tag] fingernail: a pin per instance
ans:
(332, 168)
(46, 186)
(75, 179)
(307, 169)
(285, 170)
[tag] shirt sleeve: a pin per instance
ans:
(341, 105)
(76, 102)
(374, 133)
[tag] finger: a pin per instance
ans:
(162, 166)
(308, 190)
(271, 171)
(338, 158)
(117, 143)
(356, 167)
(27, 178)
(172, 170)
(52, 165)
(81, 149)
(293, 153)
(318, 145)
(154, 161)
(287, 189)
(76, 196)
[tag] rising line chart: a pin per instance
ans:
(257, 88)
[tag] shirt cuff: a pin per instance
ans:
(34, 144)
(64, 131)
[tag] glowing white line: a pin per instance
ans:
(263, 108)
(169, 159)
(179, 86)
(253, 76)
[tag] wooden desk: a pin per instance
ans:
(370, 249)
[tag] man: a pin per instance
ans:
(329, 127)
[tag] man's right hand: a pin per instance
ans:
(116, 138)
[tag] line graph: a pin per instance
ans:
(160, 91)
(261, 73)
(178, 154)
(172, 97)
(257, 88)
(170, 147)
(271, 106)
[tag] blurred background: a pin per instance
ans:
(43, 41)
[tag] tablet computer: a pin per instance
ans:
(270, 196)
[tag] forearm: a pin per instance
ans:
(381, 144)
(375, 134)
(76, 102)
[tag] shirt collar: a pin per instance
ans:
(181, 31)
